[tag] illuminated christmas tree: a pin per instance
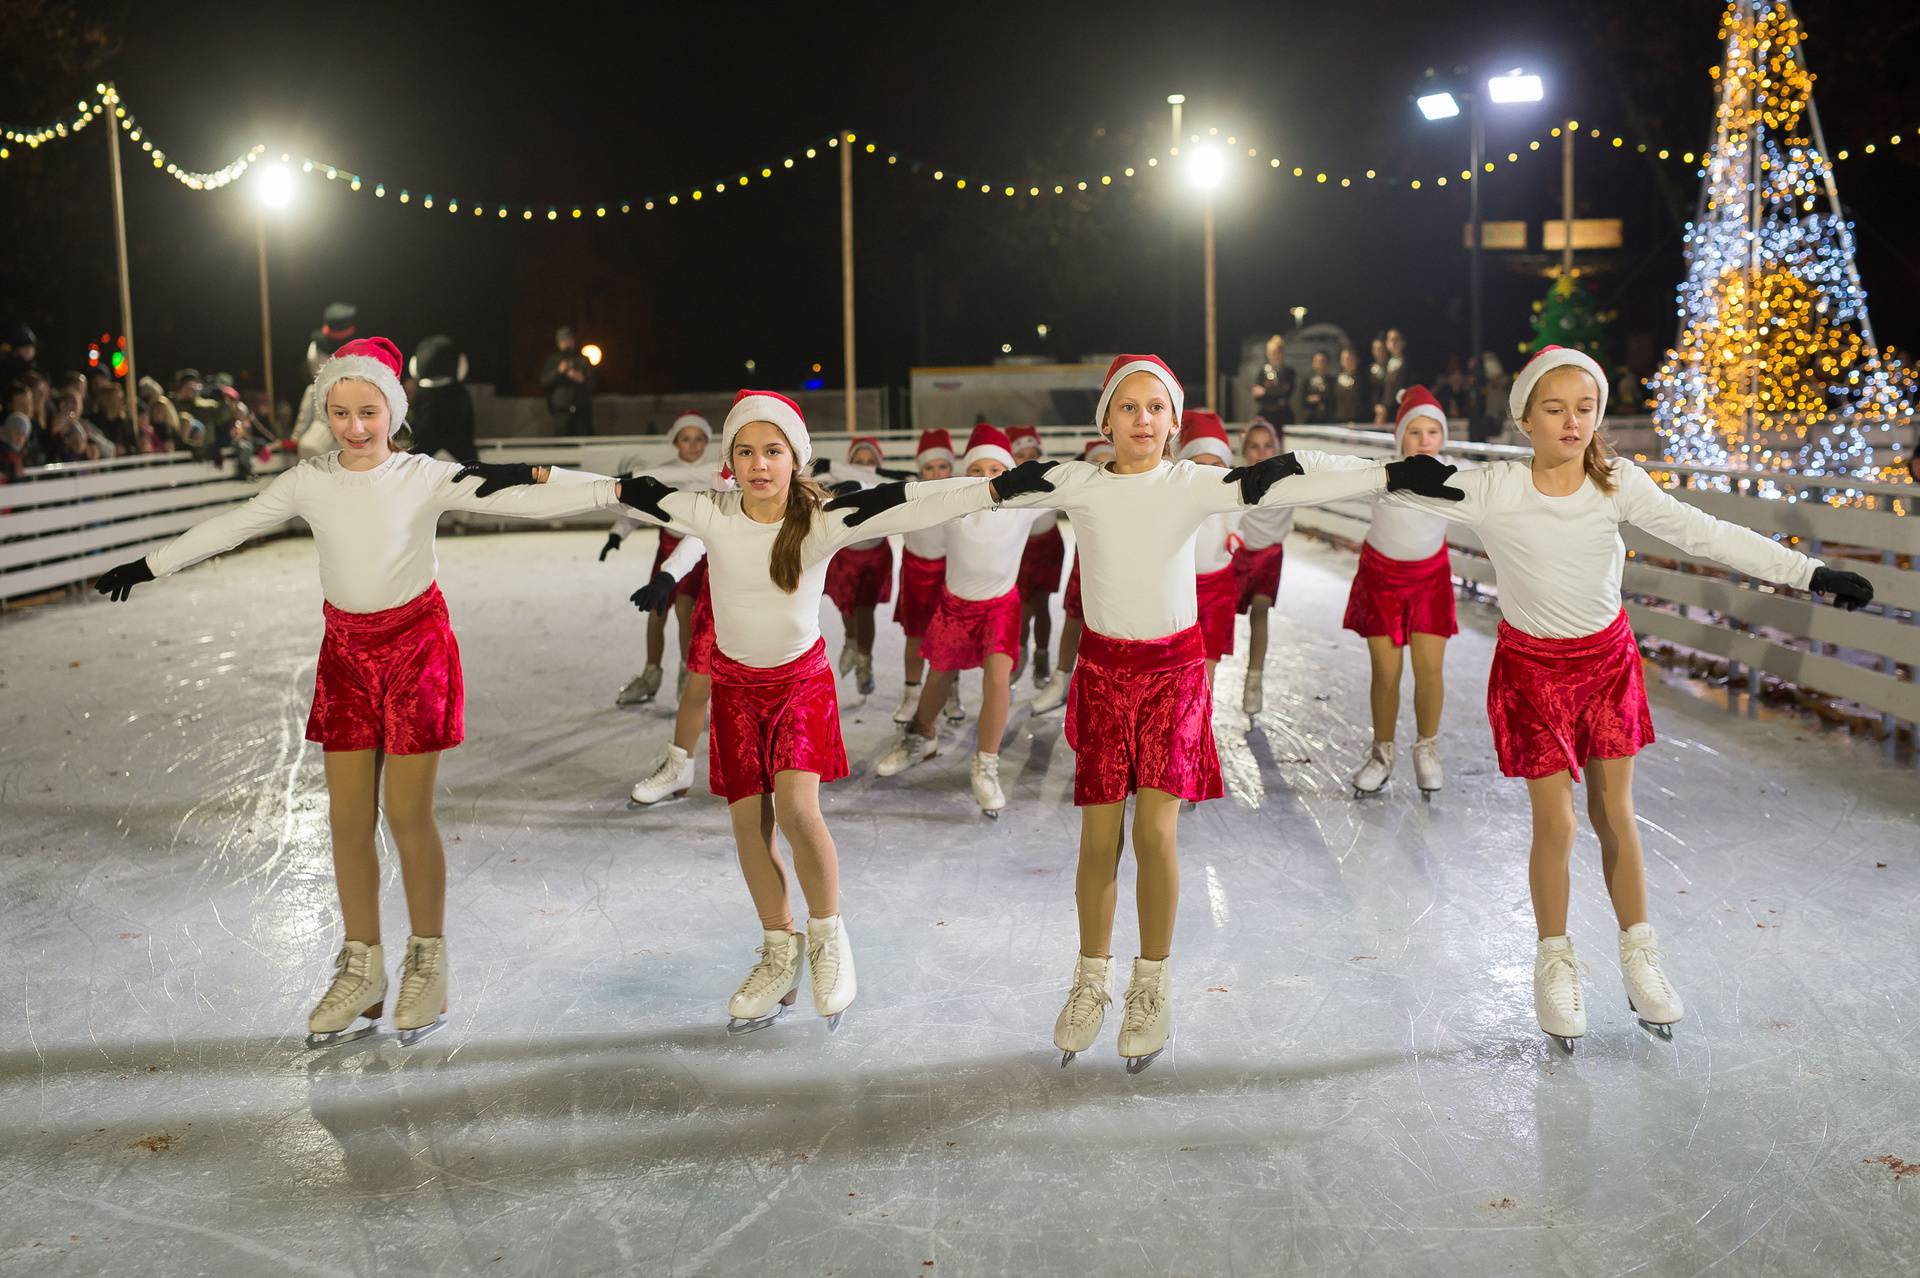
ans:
(1776, 367)
(1570, 315)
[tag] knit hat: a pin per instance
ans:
(1123, 367)
(366, 359)
(767, 406)
(854, 444)
(1202, 435)
(988, 443)
(1548, 359)
(690, 421)
(1017, 435)
(1418, 401)
(934, 445)
(1097, 451)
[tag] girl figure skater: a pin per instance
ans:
(1256, 563)
(923, 568)
(775, 732)
(861, 575)
(1072, 614)
(1040, 566)
(672, 777)
(1139, 713)
(977, 624)
(388, 695)
(693, 471)
(1203, 441)
(1566, 691)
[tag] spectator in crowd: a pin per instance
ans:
(1455, 390)
(1314, 401)
(1495, 385)
(1273, 389)
(199, 413)
(1377, 370)
(442, 408)
(1352, 389)
(1394, 378)
(568, 381)
(16, 433)
(111, 419)
(68, 438)
(160, 420)
(18, 350)
(41, 411)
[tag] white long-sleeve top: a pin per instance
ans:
(1397, 531)
(928, 543)
(1265, 526)
(754, 621)
(1560, 558)
(1041, 527)
(984, 548)
(374, 529)
(1212, 549)
(1136, 532)
(688, 477)
(866, 477)
(681, 559)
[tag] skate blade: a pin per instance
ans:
(992, 814)
(1659, 1029)
(1066, 1058)
(833, 1021)
(1564, 1043)
(351, 1034)
(635, 805)
(753, 1024)
(409, 1037)
(1358, 793)
(1136, 1064)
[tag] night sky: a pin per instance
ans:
(562, 104)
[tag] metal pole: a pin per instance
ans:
(266, 317)
(120, 240)
(1566, 203)
(846, 267)
(1213, 342)
(1478, 148)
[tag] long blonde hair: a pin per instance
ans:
(805, 497)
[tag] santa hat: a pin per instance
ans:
(988, 443)
(868, 441)
(935, 445)
(1125, 366)
(365, 359)
(1097, 451)
(1018, 435)
(1202, 435)
(1415, 402)
(690, 421)
(1548, 359)
(767, 406)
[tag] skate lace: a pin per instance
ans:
(987, 769)
(665, 772)
(349, 974)
(1086, 1000)
(765, 974)
(1642, 963)
(1142, 1006)
(418, 972)
(1566, 997)
(825, 960)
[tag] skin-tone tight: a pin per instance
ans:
(1429, 686)
(1156, 878)
(1610, 809)
(794, 810)
(353, 810)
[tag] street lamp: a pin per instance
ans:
(273, 189)
(1207, 169)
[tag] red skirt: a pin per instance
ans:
(965, 632)
(1040, 565)
(767, 721)
(1218, 592)
(1401, 597)
(1140, 716)
(1071, 604)
(1259, 574)
(861, 578)
(1556, 703)
(700, 638)
(921, 581)
(389, 680)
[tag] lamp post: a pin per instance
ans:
(1206, 170)
(273, 189)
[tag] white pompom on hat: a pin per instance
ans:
(767, 406)
(1548, 359)
(368, 359)
(1125, 366)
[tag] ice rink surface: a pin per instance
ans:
(1356, 1084)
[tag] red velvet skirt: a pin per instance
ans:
(861, 578)
(1556, 703)
(765, 721)
(1071, 603)
(1040, 565)
(965, 632)
(921, 581)
(1259, 574)
(1140, 716)
(1217, 592)
(389, 680)
(1399, 598)
(700, 639)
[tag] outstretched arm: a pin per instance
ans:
(901, 508)
(562, 493)
(1647, 506)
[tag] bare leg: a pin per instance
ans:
(423, 861)
(1384, 691)
(816, 863)
(683, 614)
(656, 638)
(1257, 632)
(916, 666)
(1156, 852)
(1610, 807)
(760, 861)
(691, 717)
(996, 679)
(353, 812)
(1429, 682)
(1095, 885)
(1552, 799)
(1212, 665)
(933, 695)
(1069, 645)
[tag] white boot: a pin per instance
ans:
(986, 783)
(1649, 993)
(1079, 1021)
(955, 712)
(909, 704)
(421, 1007)
(847, 653)
(670, 780)
(771, 985)
(1427, 773)
(1147, 1016)
(1556, 991)
(642, 687)
(830, 955)
(358, 994)
(1251, 698)
(912, 748)
(863, 672)
(1373, 774)
(1054, 695)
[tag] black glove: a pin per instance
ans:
(613, 544)
(118, 582)
(1027, 477)
(1254, 480)
(1423, 475)
(1849, 589)
(494, 476)
(653, 596)
(844, 487)
(642, 492)
(886, 473)
(865, 503)
(820, 466)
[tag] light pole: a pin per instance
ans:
(274, 190)
(1207, 170)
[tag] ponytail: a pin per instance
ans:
(805, 497)
(1598, 461)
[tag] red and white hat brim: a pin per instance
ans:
(987, 452)
(690, 421)
(1427, 411)
(766, 408)
(362, 368)
(1545, 362)
(1206, 446)
(1127, 370)
(933, 454)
